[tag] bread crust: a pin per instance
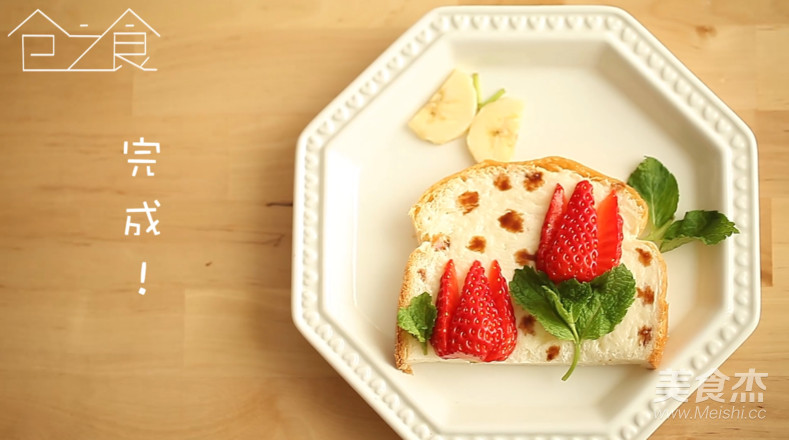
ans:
(401, 342)
(553, 164)
(662, 334)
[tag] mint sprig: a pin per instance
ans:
(659, 189)
(572, 310)
(418, 318)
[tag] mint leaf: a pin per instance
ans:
(709, 227)
(592, 322)
(658, 187)
(574, 296)
(614, 292)
(560, 332)
(535, 292)
(575, 311)
(418, 318)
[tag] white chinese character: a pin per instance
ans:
(749, 378)
(673, 384)
(712, 388)
(142, 148)
(147, 210)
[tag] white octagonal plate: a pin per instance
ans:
(599, 89)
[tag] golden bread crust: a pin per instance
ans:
(401, 342)
(662, 332)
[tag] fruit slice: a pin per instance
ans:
(609, 233)
(501, 298)
(449, 112)
(446, 303)
(552, 217)
(494, 131)
(475, 329)
(573, 251)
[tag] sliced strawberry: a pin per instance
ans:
(501, 298)
(609, 234)
(573, 250)
(475, 329)
(552, 217)
(447, 301)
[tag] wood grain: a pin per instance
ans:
(210, 352)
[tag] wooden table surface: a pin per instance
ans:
(210, 351)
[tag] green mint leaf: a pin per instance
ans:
(535, 292)
(709, 227)
(613, 293)
(567, 319)
(598, 307)
(575, 311)
(418, 318)
(574, 296)
(658, 187)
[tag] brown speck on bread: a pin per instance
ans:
(511, 221)
(524, 257)
(502, 182)
(645, 335)
(527, 324)
(644, 257)
(552, 352)
(533, 181)
(440, 242)
(422, 275)
(646, 294)
(551, 164)
(477, 244)
(468, 201)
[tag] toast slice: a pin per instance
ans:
(495, 211)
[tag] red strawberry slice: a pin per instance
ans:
(501, 298)
(475, 330)
(573, 251)
(446, 303)
(552, 217)
(609, 231)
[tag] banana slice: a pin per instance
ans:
(449, 111)
(494, 131)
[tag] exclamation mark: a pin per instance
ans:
(142, 279)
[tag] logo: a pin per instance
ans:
(47, 47)
(721, 404)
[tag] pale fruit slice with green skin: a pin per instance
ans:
(448, 113)
(494, 131)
